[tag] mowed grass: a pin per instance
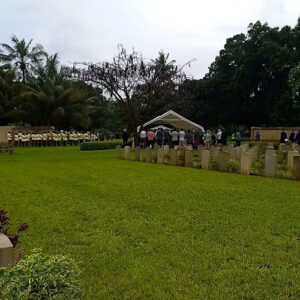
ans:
(147, 231)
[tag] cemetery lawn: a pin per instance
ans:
(146, 231)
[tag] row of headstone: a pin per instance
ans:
(247, 157)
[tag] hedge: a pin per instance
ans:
(90, 146)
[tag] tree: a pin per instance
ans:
(21, 56)
(132, 82)
(50, 100)
(7, 91)
(248, 83)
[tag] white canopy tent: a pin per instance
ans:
(175, 120)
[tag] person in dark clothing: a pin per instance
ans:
(292, 137)
(189, 138)
(166, 137)
(283, 137)
(159, 137)
(297, 139)
(201, 138)
(224, 137)
(125, 137)
(257, 136)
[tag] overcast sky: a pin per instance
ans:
(90, 30)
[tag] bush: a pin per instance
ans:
(214, 165)
(234, 166)
(105, 145)
(40, 276)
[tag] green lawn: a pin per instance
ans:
(142, 231)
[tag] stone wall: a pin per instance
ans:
(271, 133)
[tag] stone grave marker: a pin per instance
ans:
(205, 159)
(224, 161)
(174, 158)
(246, 162)
(160, 156)
(148, 155)
(6, 251)
(244, 147)
(296, 167)
(232, 153)
(127, 152)
(270, 165)
(200, 149)
(270, 152)
(137, 153)
(290, 158)
(188, 158)
(166, 149)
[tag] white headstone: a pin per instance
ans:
(127, 152)
(224, 161)
(188, 158)
(246, 162)
(270, 165)
(6, 251)
(205, 159)
(296, 167)
(160, 156)
(148, 155)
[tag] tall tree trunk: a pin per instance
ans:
(23, 76)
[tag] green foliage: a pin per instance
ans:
(104, 145)
(214, 164)
(148, 231)
(253, 80)
(258, 168)
(234, 166)
(41, 276)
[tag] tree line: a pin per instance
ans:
(254, 81)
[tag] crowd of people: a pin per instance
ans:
(161, 137)
(293, 138)
(52, 138)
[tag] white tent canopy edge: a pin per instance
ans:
(174, 119)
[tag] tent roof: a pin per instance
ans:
(174, 119)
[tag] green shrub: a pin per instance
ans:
(214, 165)
(258, 168)
(105, 145)
(40, 276)
(234, 166)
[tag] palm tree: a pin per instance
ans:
(48, 99)
(21, 55)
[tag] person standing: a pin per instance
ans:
(207, 139)
(233, 137)
(143, 136)
(292, 136)
(189, 138)
(150, 138)
(125, 137)
(224, 137)
(181, 137)
(196, 139)
(237, 139)
(9, 138)
(213, 138)
(219, 136)
(297, 139)
(257, 136)
(283, 137)
(159, 135)
(166, 137)
(174, 136)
